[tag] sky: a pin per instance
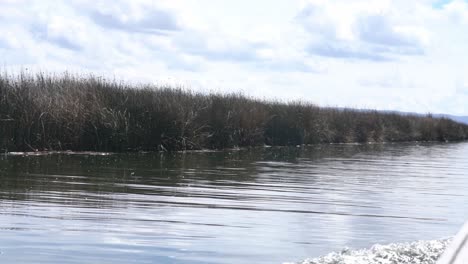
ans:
(380, 54)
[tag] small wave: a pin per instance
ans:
(420, 252)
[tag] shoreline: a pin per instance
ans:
(98, 153)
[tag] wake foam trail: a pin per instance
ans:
(420, 252)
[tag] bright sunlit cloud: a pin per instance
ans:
(383, 54)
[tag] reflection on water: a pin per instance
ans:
(263, 205)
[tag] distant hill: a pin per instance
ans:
(461, 119)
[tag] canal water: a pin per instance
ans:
(264, 205)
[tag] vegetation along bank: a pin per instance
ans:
(69, 112)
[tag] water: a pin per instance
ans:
(268, 205)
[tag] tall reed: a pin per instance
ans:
(70, 112)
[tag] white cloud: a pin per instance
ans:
(133, 17)
(457, 11)
(359, 30)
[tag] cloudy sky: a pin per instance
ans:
(400, 55)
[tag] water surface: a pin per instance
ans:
(267, 205)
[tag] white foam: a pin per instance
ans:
(420, 252)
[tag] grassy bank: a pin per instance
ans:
(86, 113)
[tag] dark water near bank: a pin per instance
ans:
(250, 206)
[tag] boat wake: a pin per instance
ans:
(420, 252)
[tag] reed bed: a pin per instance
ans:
(87, 113)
